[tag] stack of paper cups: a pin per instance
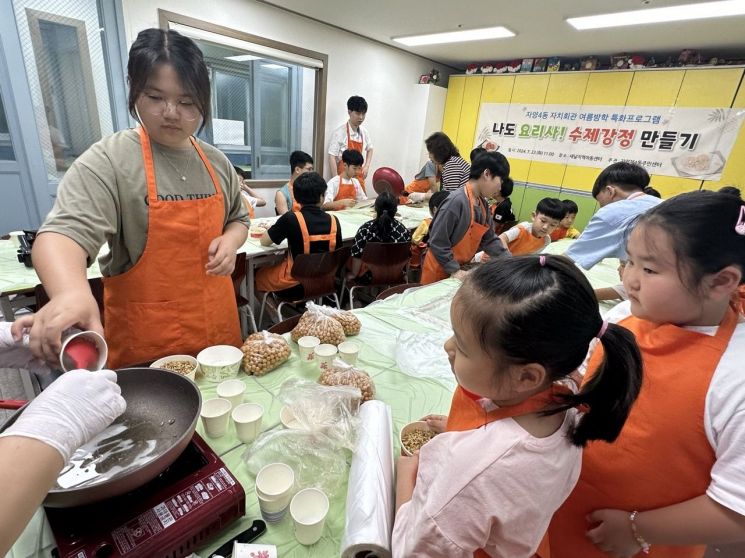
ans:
(274, 485)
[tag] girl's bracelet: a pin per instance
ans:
(645, 546)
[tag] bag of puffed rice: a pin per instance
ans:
(263, 352)
(339, 373)
(318, 321)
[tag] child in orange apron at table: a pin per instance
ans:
(534, 236)
(420, 236)
(674, 480)
(509, 452)
(464, 225)
(352, 135)
(167, 205)
(424, 185)
(307, 231)
(250, 197)
(284, 199)
(566, 227)
(344, 190)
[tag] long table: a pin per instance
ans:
(17, 282)
(421, 314)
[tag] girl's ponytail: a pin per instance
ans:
(612, 390)
(385, 207)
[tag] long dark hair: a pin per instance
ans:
(158, 46)
(514, 306)
(703, 226)
(385, 209)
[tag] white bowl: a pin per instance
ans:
(417, 425)
(176, 358)
(220, 362)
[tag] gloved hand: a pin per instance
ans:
(416, 197)
(16, 354)
(71, 411)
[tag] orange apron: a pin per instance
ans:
(279, 277)
(526, 243)
(346, 191)
(357, 146)
(420, 186)
(249, 207)
(662, 456)
(559, 233)
(295, 205)
(166, 303)
(464, 250)
(467, 414)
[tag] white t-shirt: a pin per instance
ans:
(249, 198)
(724, 415)
(333, 189)
(514, 232)
(338, 141)
(494, 488)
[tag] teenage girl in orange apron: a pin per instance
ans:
(166, 303)
(357, 146)
(279, 277)
(677, 454)
(464, 250)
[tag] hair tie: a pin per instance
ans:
(740, 225)
(602, 330)
(542, 261)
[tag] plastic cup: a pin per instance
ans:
(215, 414)
(307, 344)
(275, 481)
(308, 509)
(232, 390)
(325, 353)
(247, 419)
(348, 351)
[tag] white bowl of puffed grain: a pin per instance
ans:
(183, 364)
(414, 435)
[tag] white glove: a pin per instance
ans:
(15, 354)
(76, 407)
(417, 196)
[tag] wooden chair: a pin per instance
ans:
(285, 326)
(398, 289)
(245, 310)
(387, 261)
(316, 273)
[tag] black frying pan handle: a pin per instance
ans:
(257, 529)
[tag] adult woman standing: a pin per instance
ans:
(442, 152)
(172, 244)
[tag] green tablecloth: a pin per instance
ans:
(421, 311)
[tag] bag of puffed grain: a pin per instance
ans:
(263, 352)
(347, 319)
(318, 321)
(339, 373)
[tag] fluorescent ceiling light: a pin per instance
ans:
(242, 58)
(273, 66)
(703, 10)
(456, 36)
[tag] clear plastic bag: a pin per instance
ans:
(263, 352)
(319, 449)
(319, 321)
(339, 373)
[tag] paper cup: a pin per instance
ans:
(348, 351)
(417, 425)
(287, 418)
(215, 414)
(325, 353)
(232, 390)
(273, 510)
(247, 419)
(308, 509)
(91, 337)
(275, 481)
(306, 345)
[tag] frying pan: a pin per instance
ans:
(385, 179)
(162, 413)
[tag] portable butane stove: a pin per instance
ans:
(182, 509)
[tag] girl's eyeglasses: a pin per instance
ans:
(157, 106)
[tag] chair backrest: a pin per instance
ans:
(285, 326)
(238, 275)
(96, 286)
(317, 272)
(499, 228)
(386, 261)
(396, 290)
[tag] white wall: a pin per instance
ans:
(356, 66)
